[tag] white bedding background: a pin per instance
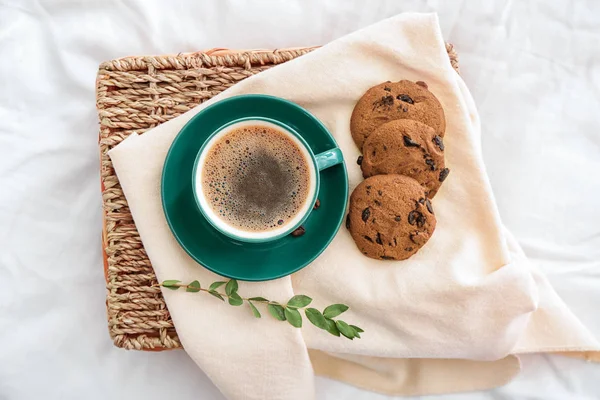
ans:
(533, 67)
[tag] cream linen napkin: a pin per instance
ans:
(448, 319)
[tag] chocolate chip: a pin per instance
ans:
(377, 202)
(359, 160)
(387, 258)
(405, 98)
(373, 153)
(348, 221)
(422, 84)
(416, 217)
(429, 206)
(412, 217)
(431, 163)
(366, 214)
(439, 142)
(397, 219)
(364, 252)
(395, 242)
(384, 147)
(368, 238)
(408, 142)
(368, 186)
(299, 232)
(412, 237)
(422, 200)
(378, 239)
(444, 174)
(379, 192)
(408, 249)
(374, 220)
(387, 89)
(386, 101)
(403, 108)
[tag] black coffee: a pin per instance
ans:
(256, 178)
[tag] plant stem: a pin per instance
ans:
(288, 312)
(222, 294)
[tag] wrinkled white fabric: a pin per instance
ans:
(470, 293)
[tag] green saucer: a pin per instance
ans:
(226, 256)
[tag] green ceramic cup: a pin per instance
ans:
(316, 163)
(238, 259)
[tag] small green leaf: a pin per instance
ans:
(316, 318)
(171, 284)
(331, 328)
(254, 310)
(216, 294)
(334, 310)
(293, 317)
(193, 287)
(356, 331)
(299, 301)
(276, 311)
(345, 329)
(231, 287)
(258, 299)
(235, 299)
(215, 285)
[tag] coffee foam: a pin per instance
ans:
(255, 178)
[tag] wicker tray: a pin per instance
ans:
(135, 94)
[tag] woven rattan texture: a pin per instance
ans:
(135, 94)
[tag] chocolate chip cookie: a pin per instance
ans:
(390, 218)
(396, 100)
(405, 147)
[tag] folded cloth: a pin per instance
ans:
(451, 318)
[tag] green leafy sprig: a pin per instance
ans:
(289, 312)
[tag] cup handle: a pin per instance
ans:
(329, 158)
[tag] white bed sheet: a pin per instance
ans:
(533, 67)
